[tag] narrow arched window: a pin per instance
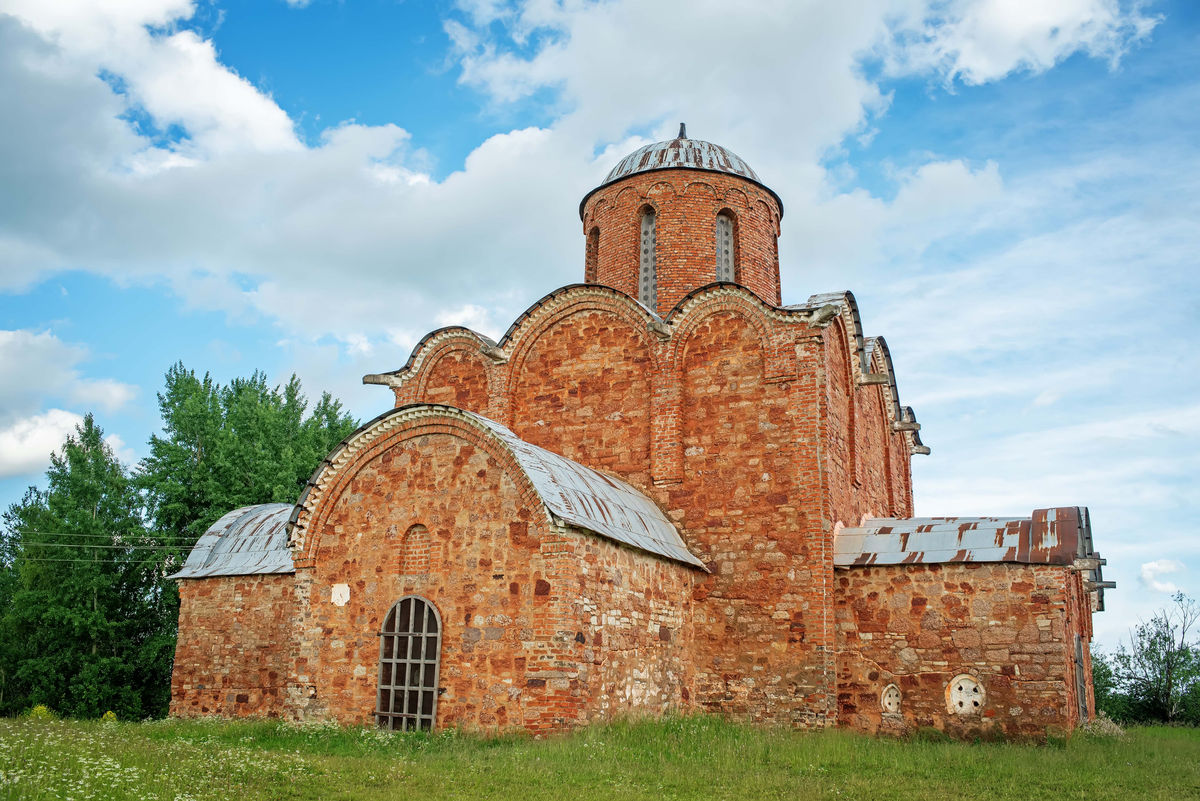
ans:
(725, 247)
(593, 256)
(409, 646)
(648, 275)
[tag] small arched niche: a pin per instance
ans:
(592, 256)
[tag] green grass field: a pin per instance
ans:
(698, 757)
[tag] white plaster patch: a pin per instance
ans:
(340, 594)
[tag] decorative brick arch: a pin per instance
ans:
(471, 346)
(700, 187)
(333, 476)
(557, 307)
(432, 346)
(714, 298)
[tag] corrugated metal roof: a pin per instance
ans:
(1049, 536)
(681, 152)
(576, 495)
(245, 542)
(593, 501)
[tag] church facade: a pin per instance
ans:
(661, 490)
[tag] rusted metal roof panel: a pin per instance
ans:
(693, 153)
(1049, 536)
(246, 542)
(681, 152)
(590, 500)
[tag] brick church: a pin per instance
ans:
(661, 490)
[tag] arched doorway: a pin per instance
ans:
(409, 648)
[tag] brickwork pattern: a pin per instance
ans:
(516, 594)
(687, 203)
(232, 656)
(919, 626)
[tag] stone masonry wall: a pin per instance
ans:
(687, 203)
(581, 388)
(519, 647)
(920, 626)
(760, 634)
(232, 657)
(724, 416)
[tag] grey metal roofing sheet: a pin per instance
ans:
(681, 152)
(1048, 536)
(245, 542)
(593, 501)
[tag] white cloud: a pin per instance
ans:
(1152, 571)
(1013, 298)
(26, 444)
(35, 365)
(983, 40)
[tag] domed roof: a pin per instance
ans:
(695, 154)
(681, 152)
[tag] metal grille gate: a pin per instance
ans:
(409, 647)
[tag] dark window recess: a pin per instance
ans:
(592, 258)
(648, 261)
(409, 646)
(725, 247)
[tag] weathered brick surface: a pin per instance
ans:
(724, 417)
(753, 427)
(687, 203)
(581, 387)
(527, 608)
(233, 656)
(919, 626)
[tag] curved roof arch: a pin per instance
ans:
(571, 493)
(248, 541)
(500, 349)
(681, 153)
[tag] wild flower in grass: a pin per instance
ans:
(109, 717)
(1102, 726)
(41, 712)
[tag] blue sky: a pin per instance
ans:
(1011, 188)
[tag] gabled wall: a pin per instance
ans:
(543, 627)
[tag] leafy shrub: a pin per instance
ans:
(41, 712)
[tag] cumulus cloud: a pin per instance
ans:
(26, 443)
(982, 40)
(1153, 571)
(35, 365)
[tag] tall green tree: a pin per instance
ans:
(228, 446)
(82, 618)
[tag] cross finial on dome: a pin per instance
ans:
(682, 131)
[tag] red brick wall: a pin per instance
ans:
(687, 203)
(695, 415)
(517, 597)
(232, 656)
(581, 388)
(457, 376)
(919, 626)
(759, 617)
